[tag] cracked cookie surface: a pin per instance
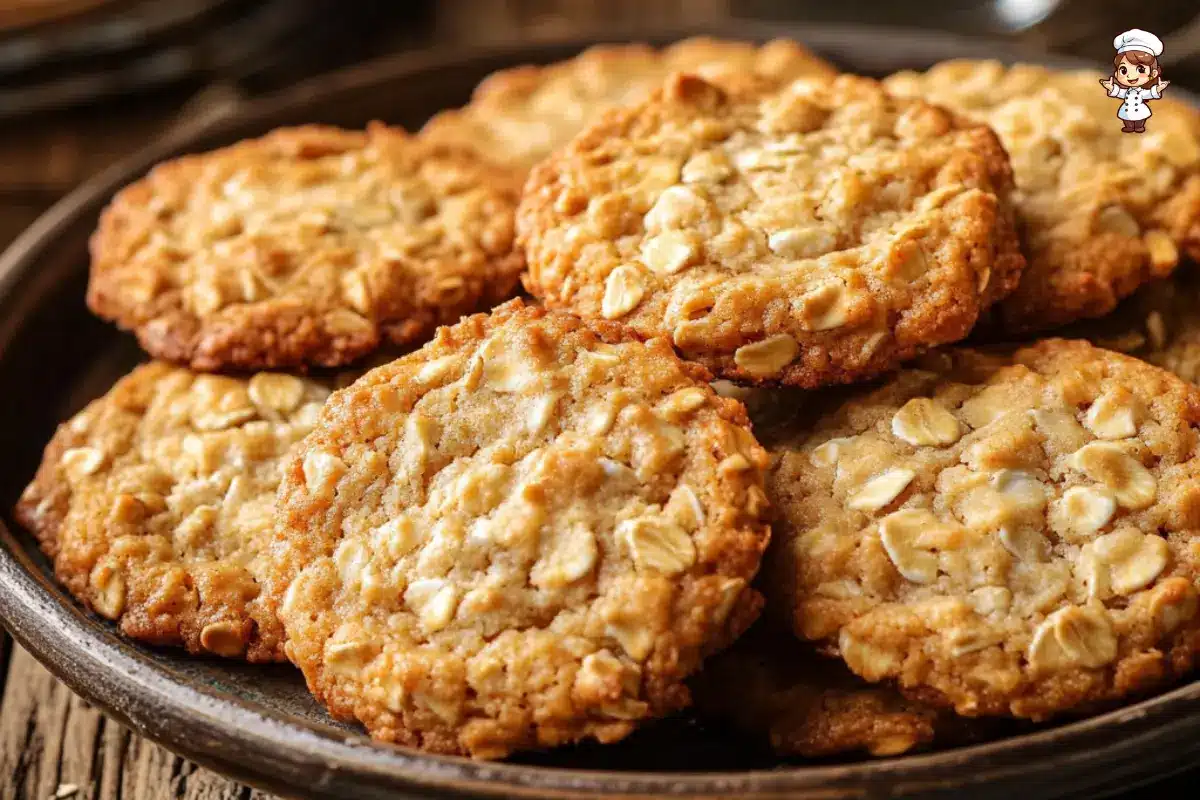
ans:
(816, 234)
(527, 533)
(309, 246)
(1008, 535)
(1101, 211)
(156, 504)
(519, 116)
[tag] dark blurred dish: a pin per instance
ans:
(81, 52)
(23, 13)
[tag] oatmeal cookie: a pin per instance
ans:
(527, 533)
(309, 246)
(1010, 535)
(156, 504)
(519, 116)
(806, 704)
(1101, 212)
(812, 235)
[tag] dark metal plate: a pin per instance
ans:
(259, 724)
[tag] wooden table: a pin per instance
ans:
(54, 745)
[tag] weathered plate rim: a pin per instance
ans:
(227, 734)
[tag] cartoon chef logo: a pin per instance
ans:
(1136, 77)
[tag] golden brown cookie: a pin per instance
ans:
(156, 503)
(527, 533)
(518, 116)
(812, 235)
(1009, 535)
(1101, 211)
(309, 246)
(805, 704)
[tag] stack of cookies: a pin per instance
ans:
(554, 521)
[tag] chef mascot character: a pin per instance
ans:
(1136, 77)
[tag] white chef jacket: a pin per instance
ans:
(1135, 106)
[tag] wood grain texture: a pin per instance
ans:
(51, 741)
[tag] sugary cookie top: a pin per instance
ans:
(1009, 535)
(528, 532)
(809, 235)
(518, 116)
(311, 245)
(1102, 211)
(156, 503)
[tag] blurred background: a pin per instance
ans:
(83, 82)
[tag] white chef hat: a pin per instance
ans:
(1138, 39)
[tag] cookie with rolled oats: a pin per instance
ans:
(1004, 534)
(519, 116)
(309, 246)
(527, 533)
(770, 685)
(156, 504)
(817, 234)
(1101, 212)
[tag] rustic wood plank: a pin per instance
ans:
(29, 726)
(200, 784)
(147, 769)
(51, 740)
(112, 757)
(82, 749)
